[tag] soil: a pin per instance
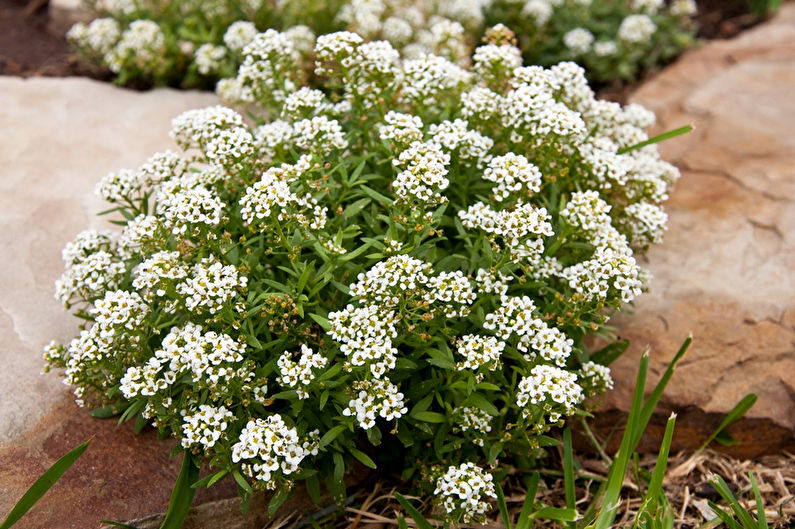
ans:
(28, 48)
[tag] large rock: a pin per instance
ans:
(725, 271)
(58, 137)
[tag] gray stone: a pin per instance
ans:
(725, 270)
(58, 137)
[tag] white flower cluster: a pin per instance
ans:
(85, 243)
(365, 335)
(456, 137)
(210, 286)
(554, 388)
(612, 263)
(479, 351)
(424, 173)
(473, 420)
(514, 317)
(205, 427)
(88, 276)
(208, 357)
(514, 176)
(297, 374)
(208, 58)
(269, 446)
(595, 378)
(520, 227)
(271, 196)
(375, 398)
(464, 492)
(141, 46)
(578, 41)
(239, 34)
(117, 318)
(636, 28)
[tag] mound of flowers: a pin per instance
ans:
(400, 269)
(196, 43)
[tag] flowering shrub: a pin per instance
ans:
(402, 267)
(196, 43)
(612, 39)
(188, 43)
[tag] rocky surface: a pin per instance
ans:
(58, 137)
(726, 269)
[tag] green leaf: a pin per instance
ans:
(210, 480)
(760, 506)
(419, 519)
(611, 352)
(361, 456)
(429, 416)
(320, 320)
(313, 488)
(330, 435)
(479, 401)
(241, 481)
(552, 513)
(568, 469)
(277, 500)
(657, 139)
(375, 195)
(736, 413)
(356, 207)
(42, 485)
(506, 519)
(182, 494)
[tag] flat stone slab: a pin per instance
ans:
(58, 137)
(726, 271)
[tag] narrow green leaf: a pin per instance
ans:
(356, 207)
(568, 469)
(553, 513)
(736, 413)
(210, 480)
(320, 320)
(361, 456)
(761, 519)
(525, 516)
(655, 485)
(429, 416)
(313, 488)
(419, 519)
(182, 494)
(506, 520)
(277, 500)
(330, 435)
(657, 139)
(241, 482)
(42, 485)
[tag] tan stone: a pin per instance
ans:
(725, 270)
(58, 137)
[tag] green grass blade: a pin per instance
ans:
(736, 413)
(655, 491)
(506, 520)
(559, 515)
(568, 469)
(526, 515)
(402, 522)
(727, 518)
(419, 519)
(760, 508)
(618, 470)
(657, 139)
(745, 518)
(182, 495)
(42, 485)
(656, 393)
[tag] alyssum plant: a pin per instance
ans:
(401, 267)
